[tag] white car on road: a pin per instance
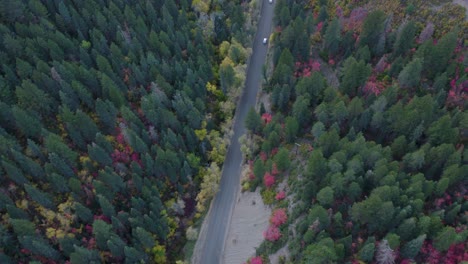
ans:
(265, 40)
(270, 1)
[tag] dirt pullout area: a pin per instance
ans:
(249, 220)
(282, 252)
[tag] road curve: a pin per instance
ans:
(210, 245)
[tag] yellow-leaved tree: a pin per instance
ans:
(209, 186)
(201, 6)
(218, 143)
(159, 254)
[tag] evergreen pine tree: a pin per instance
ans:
(410, 76)
(253, 122)
(332, 38)
(411, 249)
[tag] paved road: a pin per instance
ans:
(210, 246)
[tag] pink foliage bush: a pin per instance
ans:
(274, 169)
(89, 228)
(444, 201)
(280, 196)
(319, 26)
(279, 217)
(272, 233)
(256, 260)
(432, 255)
(123, 153)
(102, 217)
(273, 153)
(305, 69)
(120, 137)
(457, 253)
(373, 86)
(135, 157)
(315, 66)
(266, 117)
(268, 179)
(91, 243)
(458, 93)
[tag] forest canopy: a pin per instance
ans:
(368, 110)
(110, 112)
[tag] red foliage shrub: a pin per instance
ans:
(315, 66)
(91, 243)
(457, 253)
(268, 179)
(135, 157)
(315, 15)
(373, 86)
(279, 217)
(263, 156)
(274, 169)
(305, 69)
(123, 153)
(273, 153)
(432, 255)
(272, 233)
(256, 260)
(280, 196)
(120, 137)
(25, 251)
(102, 217)
(266, 117)
(319, 26)
(120, 156)
(89, 228)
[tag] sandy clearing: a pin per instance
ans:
(265, 99)
(249, 220)
(282, 252)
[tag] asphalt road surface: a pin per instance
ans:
(210, 246)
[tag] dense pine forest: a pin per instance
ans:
(113, 115)
(360, 149)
